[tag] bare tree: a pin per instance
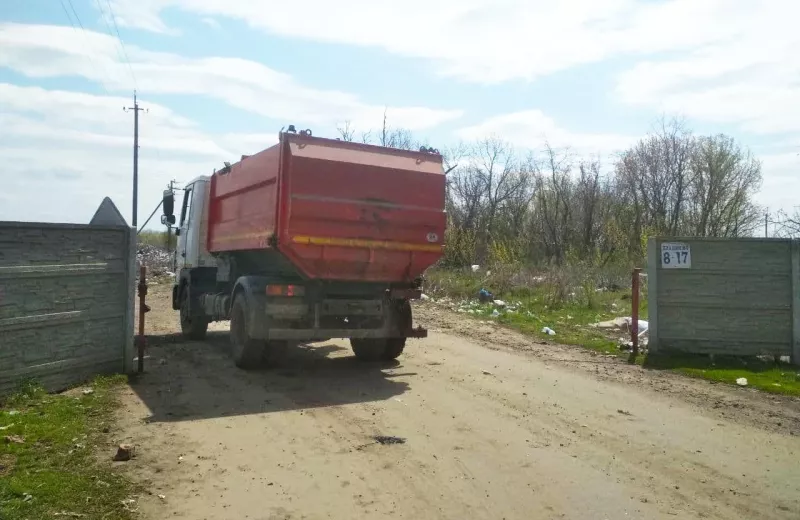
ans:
(554, 202)
(723, 179)
(346, 131)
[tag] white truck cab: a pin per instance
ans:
(191, 230)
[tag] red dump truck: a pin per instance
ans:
(308, 240)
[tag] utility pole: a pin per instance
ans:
(766, 224)
(136, 110)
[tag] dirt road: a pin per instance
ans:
(495, 427)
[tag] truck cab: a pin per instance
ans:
(191, 250)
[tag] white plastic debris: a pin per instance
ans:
(425, 297)
(500, 303)
(548, 331)
(475, 268)
(742, 381)
(495, 313)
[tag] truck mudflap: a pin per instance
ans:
(324, 334)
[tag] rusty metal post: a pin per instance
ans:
(143, 309)
(635, 311)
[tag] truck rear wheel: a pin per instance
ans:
(377, 349)
(192, 327)
(247, 352)
(386, 349)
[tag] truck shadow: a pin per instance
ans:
(190, 380)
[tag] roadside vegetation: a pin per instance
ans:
(158, 239)
(48, 463)
(556, 233)
(570, 302)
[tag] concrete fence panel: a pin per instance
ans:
(723, 296)
(66, 302)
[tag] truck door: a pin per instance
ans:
(183, 259)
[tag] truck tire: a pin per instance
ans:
(192, 327)
(377, 349)
(386, 349)
(247, 352)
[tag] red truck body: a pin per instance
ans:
(337, 210)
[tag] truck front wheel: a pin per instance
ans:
(247, 352)
(192, 327)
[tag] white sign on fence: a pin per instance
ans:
(675, 255)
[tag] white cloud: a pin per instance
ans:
(44, 51)
(781, 173)
(64, 151)
(532, 128)
(748, 79)
(479, 40)
(211, 22)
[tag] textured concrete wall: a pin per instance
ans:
(738, 297)
(65, 302)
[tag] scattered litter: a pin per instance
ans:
(476, 268)
(180, 459)
(157, 260)
(69, 515)
(6, 427)
(14, 439)
(388, 439)
(548, 331)
(27, 497)
(624, 412)
(495, 313)
(125, 452)
(424, 297)
(499, 303)
(13, 412)
(485, 296)
(742, 381)
(88, 391)
(128, 505)
(162, 497)
(486, 372)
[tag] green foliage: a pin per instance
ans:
(54, 470)
(460, 246)
(570, 299)
(157, 238)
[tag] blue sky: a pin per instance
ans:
(221, 77)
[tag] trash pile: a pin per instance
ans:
(157, 260)
(485, 304)
(624, 325)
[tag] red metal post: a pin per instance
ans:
(635, 311)
(143, 309)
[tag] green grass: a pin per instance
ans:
(569, 303)
(569, 311)
(762, 374)
(55, 470)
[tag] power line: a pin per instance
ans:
(120, 41)
(83, 31)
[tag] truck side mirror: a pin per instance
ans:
(169, 205)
